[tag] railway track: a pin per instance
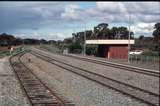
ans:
(139, 94)
(116, 65)
(37, 92)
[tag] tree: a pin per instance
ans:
(141, 37)
(6, 39)
(75, 48)
(51, 42)
(101, 31)
(67, 40)
(88, 34)
(114, 32)
(156, 33)
(43, 41)
(31, 41)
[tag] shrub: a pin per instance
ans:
(75, 48)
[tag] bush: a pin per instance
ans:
(91, 50)
(150, 53)
(75, 48)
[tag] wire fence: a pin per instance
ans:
(138, 59)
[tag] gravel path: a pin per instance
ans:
(143, 81)
(10, 91)
(76, 88)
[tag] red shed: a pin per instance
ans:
(112, 49)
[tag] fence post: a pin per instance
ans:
(130, 58)
(137, 59)
(155, 59)
(146, 60)
(141, 59)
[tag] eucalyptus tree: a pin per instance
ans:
(156, 33)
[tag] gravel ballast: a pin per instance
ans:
(149, 83)
(10, 91)
(81, 91)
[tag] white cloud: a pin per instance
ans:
(56, 36)
(111, 7)
(49, 36)
(115, 12)
(52, 15)
(71, 12)
(143, 28)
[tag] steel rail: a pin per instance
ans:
(34, 87)
(116, 65)
(103, 81)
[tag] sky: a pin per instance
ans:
(58, 20)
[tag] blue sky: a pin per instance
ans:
(58, 20)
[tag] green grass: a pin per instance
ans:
(7, 53)
(4, 53)
(146, 57)
(150, 54)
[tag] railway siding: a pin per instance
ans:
(139, 94)
(37, 92)
(82, 91)
(143, 81)
(10, 91)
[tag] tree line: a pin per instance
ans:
(8, 40)
(102, 31)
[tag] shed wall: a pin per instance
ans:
(113, 51)
(118, 52)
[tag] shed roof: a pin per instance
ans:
(111, 41)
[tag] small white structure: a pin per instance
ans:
(65, 51)
(11, 50)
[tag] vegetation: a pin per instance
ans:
(91, 50)
(7, 52)
(101, 31)
(4, 53)
(75, 48)
(156, 33)
(7, 40)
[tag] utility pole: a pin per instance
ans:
(84, 51)
(23, 44)
(74, 32)
(129, 39)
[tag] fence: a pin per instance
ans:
(144, 59)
